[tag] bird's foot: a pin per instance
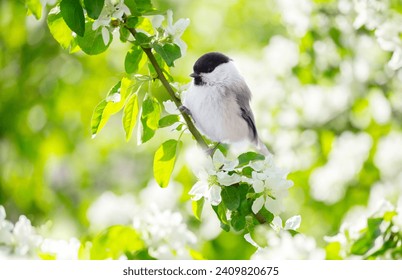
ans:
(211, 150)
(185, 110)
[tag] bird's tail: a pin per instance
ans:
(262, 148)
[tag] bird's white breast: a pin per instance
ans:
(216, 113)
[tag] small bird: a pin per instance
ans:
(218, 100)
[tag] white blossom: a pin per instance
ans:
(284, 246)
(61, 249)
(296, 14)
(370, 13)
(6, 228)
(388, 37)
(176, 30)
(271, 183)
(165, 233)
(25, 238)
(110, 209)
(349, 152)
(113, 9)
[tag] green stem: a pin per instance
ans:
(190, 125)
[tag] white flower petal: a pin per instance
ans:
(396, 60)
(170, 107)
(105, 35)
(257, 205)
(199, 189)
(293, 223)
(273, 206)
(276, 223)
(180, 26)
(215, 195)
(258, 186)
(157, 21)
(250, 240)
(227, 180)
(218, 158)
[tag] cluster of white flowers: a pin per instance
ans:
(165, 233)
(296, 14)
(113, 9)
(350, 151)
(174, 31)
(388, 27)
(281, 245)
(19, 240)
(22, 241)
(267, 180)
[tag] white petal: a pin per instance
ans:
(257, 165)
(170, 107)
(257, 205)
(293, 223)
(218, 158)
(230, 165)
(273, 206)
(258, 186)
(215, 195)
(105, 35)
(250, 240)
(180, 26)
(200, 189)
(276, 223)
(169, 15)
(157, 21)
(396, 60)
(227, 180)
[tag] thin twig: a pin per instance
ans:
(190, 125)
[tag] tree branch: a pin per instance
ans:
(190, 125)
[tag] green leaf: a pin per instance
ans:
(59, 29)
(142, 39)
(133, 58)
(220, 211)
(168, 120)
(113, 103)
(164, 160)
(169, 52)
(333, 251)
(124, 34)
(132, 21)
(130, 114)
(268, 216)
(92, 43)
(238, 221)
(73, 15)
(114, 242)
(231, 197)
(197, 206)
(144, 5)
(99, 119)
(248, 157)
(94, 7)
(34, 7)
(151, 112)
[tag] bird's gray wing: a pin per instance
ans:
(243, 96)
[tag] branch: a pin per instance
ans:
(190, 125)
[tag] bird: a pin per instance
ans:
(218, 100)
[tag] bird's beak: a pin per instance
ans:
(194, 75)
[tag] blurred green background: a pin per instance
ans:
(325, 98)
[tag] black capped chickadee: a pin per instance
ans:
(218, 100)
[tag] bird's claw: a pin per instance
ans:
(185, 110)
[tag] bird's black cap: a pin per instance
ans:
(209, 61)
